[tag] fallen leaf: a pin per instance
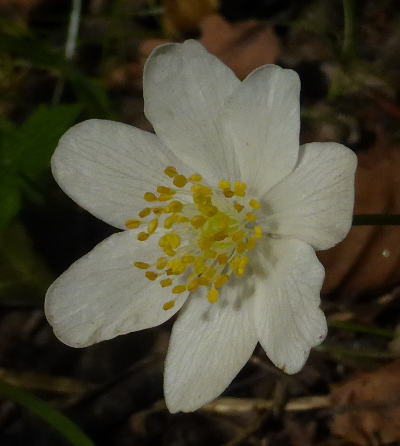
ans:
(182, 17)
(369, 258)
(243, 46)
(372, 415)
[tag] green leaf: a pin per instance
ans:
(24, 276)
(39, 135)
(10, 198)
(64, 425)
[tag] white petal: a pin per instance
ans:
(262, 119)
(287, 315)
(103, 295)
(315, 202)
(184, 89)
(106, 167)
(209, 345)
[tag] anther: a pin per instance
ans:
(240, 189)
(152, 226)
(238, 207)
(151, 275)
(171, 171)
(142, 265)
(195, 178)
(143, 236)
(165, 190)
(180, 181)
(224, 185)
(258, 232)
(251, 217)
(148, 196)
(144, 212)
(166, 282)
(162, 262)
(213, 296)
(169, 305)
(179, 289)
(256, 205)
(132, 224)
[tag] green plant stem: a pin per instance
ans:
(66, 427)
(376, 220)
(353, 353)
(348, 33)
(357, 328)
(70, 46)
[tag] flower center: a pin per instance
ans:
(209, 232)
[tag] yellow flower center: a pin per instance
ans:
(209, 232)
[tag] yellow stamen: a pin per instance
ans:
(162, 262)
(142, 236)
(180, 181)
(258, 233)
(152, 226)
(198, 221)
(195, 178)
(169, 305)
(148, 196)
(151, 275)
(240, 189)
(193, 285)
(220, 281)
(166, 282)
(223, 259)
(179, 289)
(171, 171)
(144, 212)
(224, 185)
(133, 224)
(238, 207)
(213, 296)
(256, 205)
(165, 190)
(251, 217)
(142, 265)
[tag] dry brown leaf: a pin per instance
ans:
(369, 257)
(243, 46)
(182, 17)
(372, 415)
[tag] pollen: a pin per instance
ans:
(205, 233)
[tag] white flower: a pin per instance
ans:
(230, 210)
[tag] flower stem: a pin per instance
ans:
(376, 220)
(348, 37)
(357, 328)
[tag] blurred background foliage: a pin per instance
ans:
(347, 55)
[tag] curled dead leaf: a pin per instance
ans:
(368, 407)
(369, 258)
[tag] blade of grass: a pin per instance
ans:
(66, 427)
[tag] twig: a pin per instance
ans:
(234, 406)
(70, 46)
